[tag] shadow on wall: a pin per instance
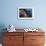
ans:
(2, 26)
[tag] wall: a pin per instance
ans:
(9, 13)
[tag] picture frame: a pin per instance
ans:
(25, 13)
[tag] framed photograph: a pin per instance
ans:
(25, 13)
